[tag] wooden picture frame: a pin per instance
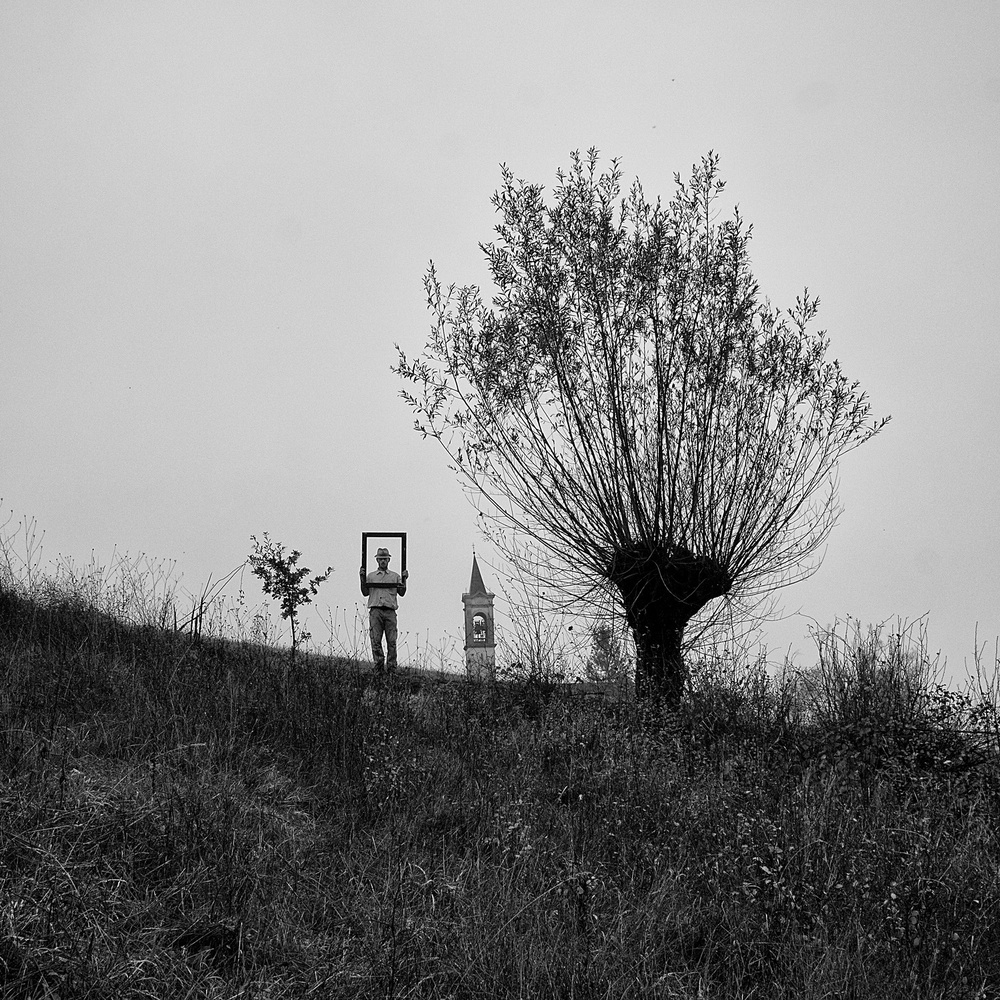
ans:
(365, 535)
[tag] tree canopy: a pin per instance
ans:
(631, 402)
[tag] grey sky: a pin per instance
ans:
(214, 220)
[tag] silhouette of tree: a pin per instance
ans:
(283, 579)
(632, 403)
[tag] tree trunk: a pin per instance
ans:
(662, 589)
(659, 667)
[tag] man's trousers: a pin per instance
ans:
(383, 621)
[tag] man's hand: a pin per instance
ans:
(406, 573)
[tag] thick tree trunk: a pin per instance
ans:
(659, 667)
(662, 590)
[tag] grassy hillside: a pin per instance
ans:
(199, 818)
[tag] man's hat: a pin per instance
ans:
(382, 552)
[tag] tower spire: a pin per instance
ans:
(480, 645)
(476, 585)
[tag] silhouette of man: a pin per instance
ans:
(382, 587)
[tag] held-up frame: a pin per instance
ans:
(365, 535)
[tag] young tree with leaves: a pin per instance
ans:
(632, 403)
(283, 579)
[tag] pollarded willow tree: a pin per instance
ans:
(632, 403)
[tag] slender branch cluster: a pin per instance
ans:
(629, 399)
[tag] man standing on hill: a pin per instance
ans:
(382, 586)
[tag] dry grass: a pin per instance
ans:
(190, 818)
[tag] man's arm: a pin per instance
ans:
(364, 582)
(401, 586)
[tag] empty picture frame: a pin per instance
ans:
(401, 535)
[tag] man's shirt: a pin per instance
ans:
(382, 596)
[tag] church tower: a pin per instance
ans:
(480, 646)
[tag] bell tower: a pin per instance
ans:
(480, 644)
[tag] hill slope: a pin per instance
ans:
(187, 818)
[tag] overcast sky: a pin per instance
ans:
(215, 218)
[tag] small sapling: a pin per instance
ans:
(283, 579)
